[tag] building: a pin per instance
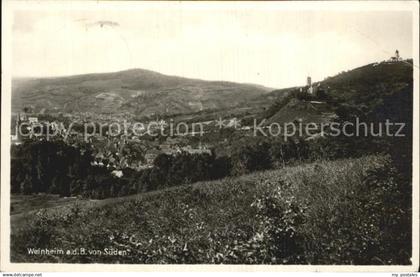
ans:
(151, 155)
(233, 122)
(117, 173)
(310, 89)
(16, 137)
(396, 57)
(22, 116)
(202, 149)
(32, 119)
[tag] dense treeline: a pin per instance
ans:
(54, 167)
(48, 167)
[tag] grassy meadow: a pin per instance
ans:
(348, 211)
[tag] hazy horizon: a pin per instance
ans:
(273, 48)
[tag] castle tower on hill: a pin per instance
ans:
(309, 85)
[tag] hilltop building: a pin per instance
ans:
(310, 89)
(396, 57)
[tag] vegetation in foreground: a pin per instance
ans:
(351, 211)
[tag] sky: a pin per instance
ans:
(271, 47)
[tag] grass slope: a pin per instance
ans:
(339, 212)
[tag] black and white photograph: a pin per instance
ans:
(194, 134)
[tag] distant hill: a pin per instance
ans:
(377, 88)
(137, 91)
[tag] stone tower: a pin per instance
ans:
(309, 85)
